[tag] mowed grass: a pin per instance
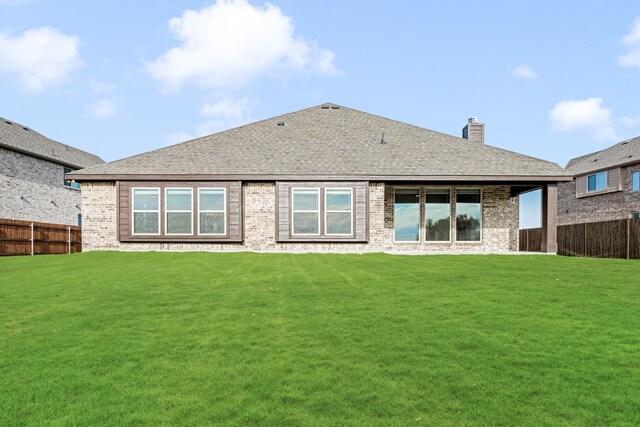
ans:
(282, 339)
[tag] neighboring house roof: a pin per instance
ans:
(328, 142)
(622, 153)
(17, 137)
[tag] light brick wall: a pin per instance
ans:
(601, 207)
(500, 224)
(32, 189)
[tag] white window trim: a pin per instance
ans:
(407, 242)
(327, 211)
(167, 211)
(606, 182)
(455, 221)
(134, 210)
(450, 216)
(293, 210)
(223, 211)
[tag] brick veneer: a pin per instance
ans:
(32, 189)
(601, 207)
(499, 212)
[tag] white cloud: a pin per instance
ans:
(632, 41)
(98, 87)
(39, 57)
(231, 42)
(102, 109)
(587, 115)
(524, 72)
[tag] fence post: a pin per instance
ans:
(69, 237)
(31, 239)
(628, 237)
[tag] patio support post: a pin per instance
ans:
(549, 218)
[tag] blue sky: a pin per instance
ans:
(549, 79)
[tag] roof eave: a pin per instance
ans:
(84, 177)
(42, 157)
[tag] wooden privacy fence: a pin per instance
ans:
(530, 240)
(38, 238)
(618, 238)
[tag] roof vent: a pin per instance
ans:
(624, 142)
(325, 106)
(8, 122)
(595, 160)
(25, 128)
(335, 107)
(280, 123)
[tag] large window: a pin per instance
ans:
(179, 211)
(338, 210)
(437, 210)
(306, 211)
(69, 183)
(406, 215)
(212, 211)
(597, 181)
(468, 215)
(635, 181)
(146, 211)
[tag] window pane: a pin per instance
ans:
(179, 222)
(338, 200)
(146, 223)
(338, 222)
(179, 200)
(305, 200)
(406, 219)
(591, 186)
(636, 181)
(146, 200)
(601, 177)
(468, 216)
(212, 200)
(211, 223)
(437, 215)
(305, 222)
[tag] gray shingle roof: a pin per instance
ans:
(328, 141)
(622, 153)
(17, 137)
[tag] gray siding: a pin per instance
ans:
(32, 189)
(614, 183)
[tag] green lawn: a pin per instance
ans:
(267, 339)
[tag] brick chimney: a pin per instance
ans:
(474, 131)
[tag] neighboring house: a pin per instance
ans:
(327, 178)
(606, 185)
(32, 182)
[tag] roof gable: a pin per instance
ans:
(329, 141)
(17, 137)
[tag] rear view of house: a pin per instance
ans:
(32, 182)
(327, 178)
(606, 185)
